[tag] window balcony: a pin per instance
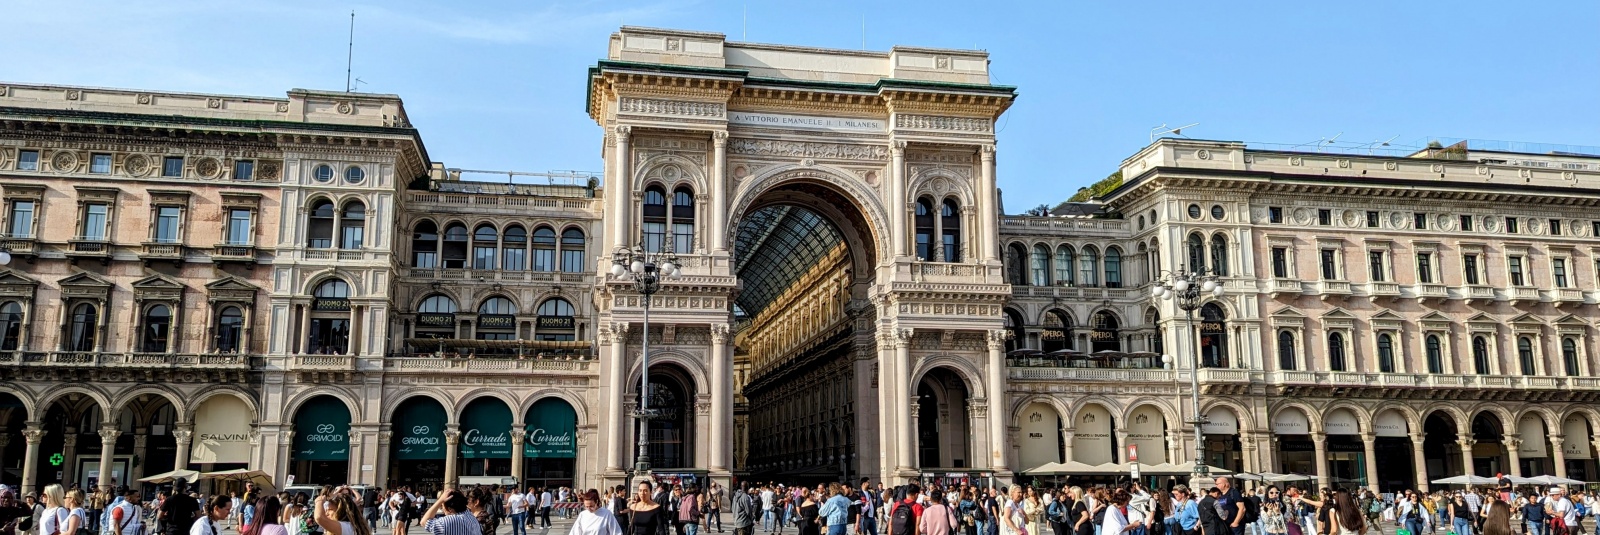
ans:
(322, 363)
(89, 247)
(1566, 296)
(1522, 295)
(20, 244)
(1477, 293)
(129, 361)
(1383, 289)
(162, 251)
(1425, 291)
(1328, 289)
(1288, 287)
(236, 253)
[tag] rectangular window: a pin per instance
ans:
(1466, 223)
(1514, 265)
(427, 259)
(1596, 229)
(683, 238)
(1420, 220)
(94, 221)
(1558, 269)
(1274, 214)
(239, 227)
(1375, 265)
(21, 219)
(1555, 227)
(1469, 267)
(1324, 217)
(655, 236)
(1330, 269)
(28, 160)
(351, 235)
(1372, 219)
(514, 259)
(483, 257)
(100, 164)
(244, 170)
(545, 259)
(172, 166)
(1280, 262)
(167, 224)
(1425, 268)
(1511, 225)
(572, 260)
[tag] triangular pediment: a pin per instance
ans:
(10, 277)
(1339, 313)
(1436, 316)
(1570, 319)
(1387, 315)
(1482, 318)
(1288, 312)
(85, 279)
(231, 284)
(157, 282)
(1526, 319)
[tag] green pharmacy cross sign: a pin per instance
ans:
(57, 459)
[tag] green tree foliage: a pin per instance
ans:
(1098, 188)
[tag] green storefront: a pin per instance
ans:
(486, 438)
(321, 448)
(417, 446)
(551, 443)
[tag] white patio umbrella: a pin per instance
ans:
(1551, 480)
(1466, 480)
(168, 477)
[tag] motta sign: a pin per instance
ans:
(806, 121)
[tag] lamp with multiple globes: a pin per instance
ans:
(1190, 290)
(645, 270)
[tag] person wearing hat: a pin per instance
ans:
(1560, 507)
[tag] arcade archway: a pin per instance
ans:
(943, 430)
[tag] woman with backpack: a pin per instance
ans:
(1056, 513)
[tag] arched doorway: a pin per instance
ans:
(1057, 333)
(1213, 336)
(1103, 334)
(1488, 454)
(1347, 459)
(486, 438)
(417, 445)
(1222, 439)
(13, 419)
(1394, 452)
(1291, 427)
(321, 449)
(1041, 435)
(1533, 453)
(1439, 446)
(943, 431)
(1092, 440)
(672, 437)
(1578, 449)
(221, 439)
(550, 443)
(1147, 431)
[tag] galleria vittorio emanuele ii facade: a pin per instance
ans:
(293, 284)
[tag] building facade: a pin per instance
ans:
(292, 284)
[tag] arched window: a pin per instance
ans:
(1219, 255)
(437, 304)
(1286, 359)
(556, 321)
(1480, 355)
(10, 326)
(1104, 335)
(1041, 266)
(1385, 353)
(332, 289)
(683, 220)
(1155, 261)
(454, 251)
(1435, 351)
(436, 318)
(1089, 266)
(950, 230)
(81, 327)
(425, 245)
(497, 319)
(352, 225)
(157, 329)
(1157, 341)
(230, 329)
(544, 249)
(1017, 264)
(1525, 354)
(330, 319)
(923, 221)
(514, 257)
(1057, 332)
(1336, 352)
(1197, 253)
(654, 223)
(1569, 356)
(572, 250)
(319, 229)
(1064, 266)
(497, 305)
(1019, 333)
(1113, 267)
(1214, 337)
(485, 247)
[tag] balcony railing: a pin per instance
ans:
(233, 253)
(1430, 380)
(89, 246)
(1430, 291)
(19, 244)
(1333, 288)
(1563, 296)
(146, 361)
(1285, 286)
(1522, 294)
(322, 363)
(1477, 293)
(431, 363)
(1383, 289)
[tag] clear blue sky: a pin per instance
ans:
(500, 85)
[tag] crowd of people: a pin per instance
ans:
(834, 509)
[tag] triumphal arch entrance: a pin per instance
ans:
(834, 212)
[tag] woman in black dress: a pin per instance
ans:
(809, 524)
(645, 511)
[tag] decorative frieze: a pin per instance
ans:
(936, 122)
(651, 106)
(797, 149)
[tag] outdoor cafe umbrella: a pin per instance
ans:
(1271, 477)
(1246, 476)
(167, 477)
(1552, 480)
(1467, 480)
(1046, 469)
(244, 475)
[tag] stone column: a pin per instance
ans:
(183, 435)
(1419, 464)
(997, 399)
(989, 212)
(617, 452)
(33, 434)
(1247, 442)
(1320, 441)
(518, 454)
(897, 200)
(1369, 448)
(1066, 444)
(108, 447)
(1513, 455)
(721, 397)
(69, 450)
(621, 189)
(452, 453)
(305, 329)
(719, 200)
(902, 399)
(1559, 455)
(1119, 454)
(141, 449)
(385, 435)
(1466, 455)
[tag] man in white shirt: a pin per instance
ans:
(517, 509)
(1560, 507)
(546, 500)
(766, 508)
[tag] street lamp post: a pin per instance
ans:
(1191, 288)
(645, 270)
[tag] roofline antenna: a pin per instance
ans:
(1373, 146)
(350, 53)
(1163, 130)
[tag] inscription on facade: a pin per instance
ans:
(840, 124)
(796, 149)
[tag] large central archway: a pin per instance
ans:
(805, 255)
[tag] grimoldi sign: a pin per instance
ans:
(811, 122)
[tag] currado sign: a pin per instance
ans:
(552, 430)
(486, 431)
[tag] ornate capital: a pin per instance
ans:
(452, 437)
(355, 436)
(108, 435)
(517, 435)
(702, 407)
(622, 132)
(384, 437)
(1417, 439)
(719, 333)
(288, 437)
(70, 440)
(1555, 440)
(620, 330)
(997, 338)
(719, 138)
(1369, 437)
(1319, 438)
(986, 152)
(902, 337)
(1512, 443)
(33, 434)
(898, 147)
(1465, 443)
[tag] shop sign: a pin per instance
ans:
(555, 322)
(221, 431)
(322, 431)
(1213, 327)
(435, 319)
(1389, 424)
(1341, 422)
(552, 430)
(486, 431)
(1290, 422)
(331, 305)
(1103, 335)
(497, 321)
(419, 432)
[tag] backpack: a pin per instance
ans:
(1580, 508)
(1057, 511)
(902, 520)
(980, 513)
(687, 511)
(1252, 509)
